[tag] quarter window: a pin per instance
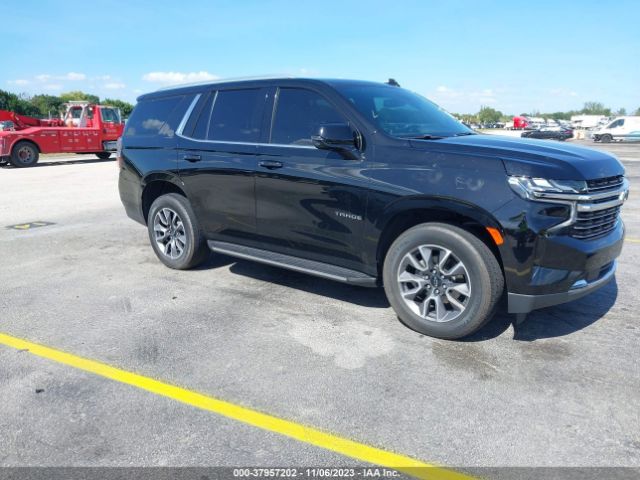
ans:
(237, 115)
(299, 114)
(151, 117)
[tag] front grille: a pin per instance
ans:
(594, 224)
(604, 183)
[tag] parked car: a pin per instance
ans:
(623, 129)
(371, 184)
(549, 133)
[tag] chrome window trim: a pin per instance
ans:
(248, 143)
(187, 114)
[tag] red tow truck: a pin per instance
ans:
(521, 123)
(84, 128)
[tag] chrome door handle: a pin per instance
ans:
(271, 164)
(192, 158)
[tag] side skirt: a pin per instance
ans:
(319, 269)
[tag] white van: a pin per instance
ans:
(622, 129)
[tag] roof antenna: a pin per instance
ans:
(392, 82)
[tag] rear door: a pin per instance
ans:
(217, 158)
(310, 202)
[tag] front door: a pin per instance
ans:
(310, 202)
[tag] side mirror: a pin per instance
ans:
(338, 137)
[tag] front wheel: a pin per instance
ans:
(442, 281)
(175, 234)
(24, 154)
(606, 138)
(103, 155)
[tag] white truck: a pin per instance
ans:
(620, 129)
(587, 121)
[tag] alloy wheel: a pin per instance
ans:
(434, 283)
(170, 234)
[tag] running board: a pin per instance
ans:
(319, 269)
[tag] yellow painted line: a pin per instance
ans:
(312, 436)
(632, 240)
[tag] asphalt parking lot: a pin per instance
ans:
(560, 389)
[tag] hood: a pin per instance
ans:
(534, 158)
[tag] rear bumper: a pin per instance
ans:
(130, 195)
(521, 303)
(110, 146)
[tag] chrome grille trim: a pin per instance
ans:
(594, 213)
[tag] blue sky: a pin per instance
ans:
(514, 55)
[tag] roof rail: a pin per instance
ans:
(226, 80)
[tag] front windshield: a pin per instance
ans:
(402, 113)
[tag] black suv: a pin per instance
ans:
(371, 184)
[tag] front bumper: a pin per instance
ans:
(521, 303)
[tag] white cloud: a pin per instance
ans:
(172, 78)
(19, 81)
(75, 76)
(456, 99)
(114, 86)
(52, 86)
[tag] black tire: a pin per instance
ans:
(606, 138)
(103, 155)
(485, 279)
(24, 154)
(195, 249)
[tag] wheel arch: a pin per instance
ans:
(156, 184)
(408, 212)
(25, 140)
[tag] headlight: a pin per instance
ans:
(539, 188)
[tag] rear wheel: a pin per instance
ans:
(175, 234)
(606, 138)
(24, 154)
(103, 155)
(442, 281)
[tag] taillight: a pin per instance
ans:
(119, 160)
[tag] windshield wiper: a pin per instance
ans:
(426, 137)
(464, 133)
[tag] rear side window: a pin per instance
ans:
(201, 127)
(153, 117)
(299, 115)
(237, 115)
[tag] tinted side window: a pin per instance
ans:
(299, 114)
(151, 117)
(202, 120)
(187, 131)
(237, 115)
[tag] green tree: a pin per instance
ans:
(637, 111)
(47, 105)
(125, 107)
(621, 112)
(16, 103)
(78, 95)
(489, 115)
(595, 108)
